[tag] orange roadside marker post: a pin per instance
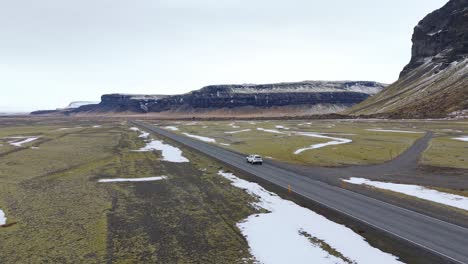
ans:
(289, 188)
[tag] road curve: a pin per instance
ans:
(444, 239)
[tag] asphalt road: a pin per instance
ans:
(439, 237)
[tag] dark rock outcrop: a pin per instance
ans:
(434, 84)
(441, 36)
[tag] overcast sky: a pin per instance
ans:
(53, 52)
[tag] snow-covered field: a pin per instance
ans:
(463, 138)
(2, 217)
(279, 236)
(19, 143)
(173, 128)
(206, 139)
(156, 178)
(449, 199)
(393, 131)
(168, 152)
(238, 131)
(334, 141)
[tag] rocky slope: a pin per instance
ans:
(308, 97)
(435, 81)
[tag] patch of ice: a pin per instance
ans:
(463, 138)
(453, 200)
(173, 128)
(24, 141)
(269, 130)
(169, 153)
(335, 141)
(206, 139)
(394, 131)
(275, 237)
(2, 217)
(156, 178)
(238, 131)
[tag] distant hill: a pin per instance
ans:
(280, 99)
(434, 84)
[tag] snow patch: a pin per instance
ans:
(169, 153)
(225, 144)
(335, 141)
(269, 130)
(275, 237)
(96, 126)
(238, 131)
(206, 139)
(282, 127)
(463, 138)
(21, 142)
(394, 131)
(156, 178)
(434, 33)
(449, 199)
(2, 217)
(143, 134)
(173, 128)
(233, 125)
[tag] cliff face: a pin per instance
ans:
(434, 84)
(331, 96)
(441, 37)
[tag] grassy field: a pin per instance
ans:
(367, 146)
(58, 212)
(444, 151)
